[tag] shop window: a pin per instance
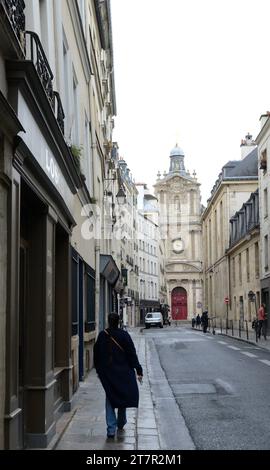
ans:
(90, 322)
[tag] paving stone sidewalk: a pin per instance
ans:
(85, 427)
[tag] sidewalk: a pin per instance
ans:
(85, 427)
(262, 343)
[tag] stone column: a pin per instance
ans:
(39, 375)
(3, 292)
(12, 408)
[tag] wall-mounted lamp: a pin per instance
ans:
(121, 196)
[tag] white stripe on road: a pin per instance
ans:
(222, 342)
(234, 347)
(265, 361)
(248, 354)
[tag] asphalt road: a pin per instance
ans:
(221, 386)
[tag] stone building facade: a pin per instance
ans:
(148, 241)
(237, 180)
(56, 117)
(179, 199)
(263, 142)
(244, 262)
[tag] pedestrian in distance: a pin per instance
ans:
(193, 321)
(261, 321)
(198, 321)
(115, 359)
(204, 321)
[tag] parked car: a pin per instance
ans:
(153, 319)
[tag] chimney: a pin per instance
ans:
(247, 145)
(264, 118)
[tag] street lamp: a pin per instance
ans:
(121, 196)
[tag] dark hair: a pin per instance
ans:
(113, 319)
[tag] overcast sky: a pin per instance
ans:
(196, 72)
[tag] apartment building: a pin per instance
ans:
(56, 105)
(237, 180)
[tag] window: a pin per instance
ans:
(67, 84)
(240, 269)
(75, 292)
(90, 299)
(210, 242)
(82, 13)
(247, 265)
(233, 271)
(87, 154)
(265, 203)
(221, 227)
(75, 111)
(266, 252)
(263, 160)
(257, 260)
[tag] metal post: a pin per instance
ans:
(247, 327)
(227, 318)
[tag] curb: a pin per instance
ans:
(65, 423)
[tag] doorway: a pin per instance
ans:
(179, 304)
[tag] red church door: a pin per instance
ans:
(179, 304)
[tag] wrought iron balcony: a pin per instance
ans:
(39, 59)
(35, 52)
(15, 11)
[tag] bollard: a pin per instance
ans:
(246, 328)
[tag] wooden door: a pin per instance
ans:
(179, 304)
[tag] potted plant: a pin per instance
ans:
(77, 154)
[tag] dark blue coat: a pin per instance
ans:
(115, 368)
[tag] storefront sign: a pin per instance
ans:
(41, 151)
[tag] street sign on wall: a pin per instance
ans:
(226, 300)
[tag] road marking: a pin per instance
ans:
(265, 361)
(234, 347)
(248, 354)
(222, 342)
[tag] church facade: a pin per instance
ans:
(180, 209)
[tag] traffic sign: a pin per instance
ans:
(199, 305)
(226, 300)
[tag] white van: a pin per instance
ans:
(153, 319)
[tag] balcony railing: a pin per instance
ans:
(37, 55)
(39, 59)
(15, 11)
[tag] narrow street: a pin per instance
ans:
(200, 392)
(220, 385)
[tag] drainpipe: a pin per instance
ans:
(97, 290)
